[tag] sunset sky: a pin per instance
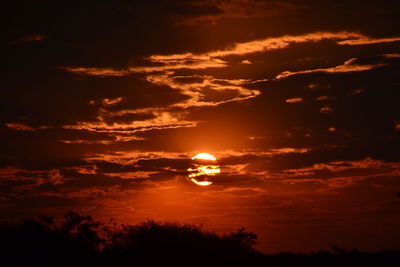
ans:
(104, 103)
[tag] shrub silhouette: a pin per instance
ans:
(43, 243)
(81, 241)
(153, 242)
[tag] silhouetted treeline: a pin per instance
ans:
(81, 241)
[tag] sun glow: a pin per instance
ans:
(203, 168)
(204, 156)
(202, 183)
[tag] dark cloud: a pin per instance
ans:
(43, 202)
(194, 9)
(189, 79)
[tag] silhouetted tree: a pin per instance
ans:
(153, 242)
(80, 241)
(41, 242)
(83, 229)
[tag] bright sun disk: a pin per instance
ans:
(203, 168)
(204, 156)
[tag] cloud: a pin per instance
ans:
(294, 100)
(348, 66)
(326, 109)
(161, 120)
(17, 180)
(396, 125)
(263, 45)
(19, 127)
(213, 59)
(324, 97)
(88, 142)
(226, 157)
(197, 91)
(204, 90)
(96, 71)
(255, 9)
(359, 169)
(393, 55)
(30, 39)
(112, 101)
(364, 40)
(194, 9)
(43, 202)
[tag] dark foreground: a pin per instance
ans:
(81, 241)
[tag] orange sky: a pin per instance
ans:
(105, 104)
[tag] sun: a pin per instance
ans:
(204, 156)
(202, 183)
(203, 168)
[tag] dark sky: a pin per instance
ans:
(104, 103)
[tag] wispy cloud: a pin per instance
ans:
(200, 91)
(267, 44)
(31, 39)
(326, 109)
(213, 59)
(294, 100)
(20, 127)
(364, 40)
(338, 169)
(161, 120)
(207, 90)
(130, 157)
(197, 91)
(96, 71)
(347, 66)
